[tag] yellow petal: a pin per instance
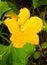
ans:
(11, 24)
(31, 37)
(23, 15)
(12, 16)
(34, 39)
(34, 24)
(18, 40)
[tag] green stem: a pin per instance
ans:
(40, 48)
(5, 38)
(2, 27)
(5, 34)
(7, 49)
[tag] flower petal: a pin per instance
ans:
(34, 24)
(18, 40)
(12, 16)
(23, 15)
(31, 38)
(11, 24)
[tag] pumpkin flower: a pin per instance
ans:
(24, 28)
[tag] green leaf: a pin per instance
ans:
(1, 22)
(4, 53)
(45, 27)
(37, 3)
(44, 45)
(2, 48)
(37, 55)
(13, 10)
(19, 56)
(3, 7)
(6, 6)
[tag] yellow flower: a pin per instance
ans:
(24, 29)
(11, 24)
(34, 24)
(23, 15)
